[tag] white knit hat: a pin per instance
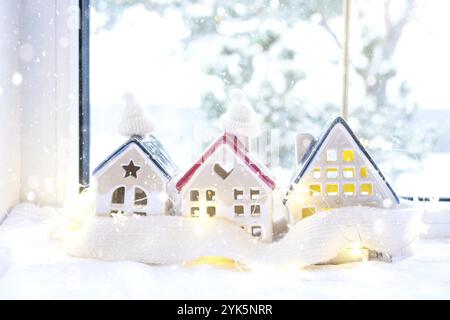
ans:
(135, 121)
(240, 119)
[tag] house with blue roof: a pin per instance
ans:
(133, 179)
(335, 171)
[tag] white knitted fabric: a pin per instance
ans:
(240, 119)
(174, 239)
(134, 122)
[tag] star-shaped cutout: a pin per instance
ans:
(131, 169)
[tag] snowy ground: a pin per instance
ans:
(33, 266)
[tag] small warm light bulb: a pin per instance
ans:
(356, 249)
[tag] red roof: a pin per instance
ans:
(239, 149)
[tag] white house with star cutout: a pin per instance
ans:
(133, 179)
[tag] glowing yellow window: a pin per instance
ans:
(308, 212)
(314, 189)
(349, 189)
(366, 189)
(316, 173)
(332, 189)
(363, 172)
(348, 155)
(348, 173)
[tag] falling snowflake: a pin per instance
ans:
(17, 78)
(119, 217)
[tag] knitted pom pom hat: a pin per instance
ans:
(135, 121)
(240, 119)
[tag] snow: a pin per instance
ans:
(33, 266)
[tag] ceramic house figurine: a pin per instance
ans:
(335, 171)
(226, 181)
(133, 179)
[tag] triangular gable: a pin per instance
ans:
(153, 149)
(314, 149)
(239, 149)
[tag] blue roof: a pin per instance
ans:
(314, 148)
(153, 149)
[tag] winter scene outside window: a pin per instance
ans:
(181, 59)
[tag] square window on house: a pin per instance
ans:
(239, 210)
(254, 194)
(332, 189)
(348, 173)
(331, 155)
(255, 209)
(316, 173)
(307, 212)
(139, 213)
(332, 173)
(315, 189)
(238, 194)
(348, 155)
(256, 231)
(363, 172)
(194, 195)
(211, 211)
(195, 212)
(349, 189)
(366, 189)
(210, 195)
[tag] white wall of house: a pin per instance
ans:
(39, 115)
(9, 106)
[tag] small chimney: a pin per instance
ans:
(303, 142)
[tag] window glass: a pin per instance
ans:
(181, 60)
(398, 100)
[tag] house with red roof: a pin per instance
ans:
(226, 181)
